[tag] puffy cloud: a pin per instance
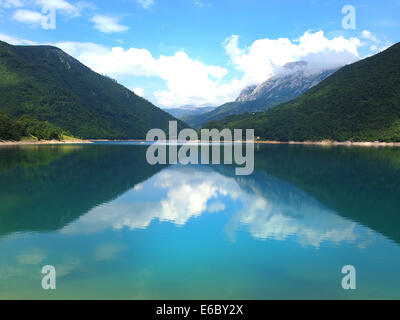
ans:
(146, 4)
(115, 62)
(189, 81)
(369, 36)
(32, 15)
(28, 17)
(108, 24)
(265, 56)
(192, 82)
(138, 91)
(375, 42)
(61, 6)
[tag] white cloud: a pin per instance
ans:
(31, 11)
(16, 41)
(81, 49)
(192, 82)
(28, 17)
(146, 4)
(376, 44)
(186, 193)
(310, 222)
(189, 81)
(11, 3)
(369, 36)
(108, 24)
(61, 6)
(180, 196)
(32, 258)
(264, 57)
(138, 91)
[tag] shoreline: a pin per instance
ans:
(44, 142)
(316, 143)
(336, 143)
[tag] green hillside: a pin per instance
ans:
(49, 85)
(360, 102)
(12, 129)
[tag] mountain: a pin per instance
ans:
(245, 93)
(46, 83)
(185, 111)
(360, 102)
(293, 80)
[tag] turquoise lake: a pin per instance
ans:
(115, 227)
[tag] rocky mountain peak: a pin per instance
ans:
(295, 65)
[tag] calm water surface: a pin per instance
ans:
(116, 227)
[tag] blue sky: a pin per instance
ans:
(178, 52)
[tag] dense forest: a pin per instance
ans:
(13, 129)
(360, 102)
(49, 85)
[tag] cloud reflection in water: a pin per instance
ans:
(267, 207)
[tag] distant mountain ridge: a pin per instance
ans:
(46, 83)
(360, 102)
(185, 111)
(294, 79)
